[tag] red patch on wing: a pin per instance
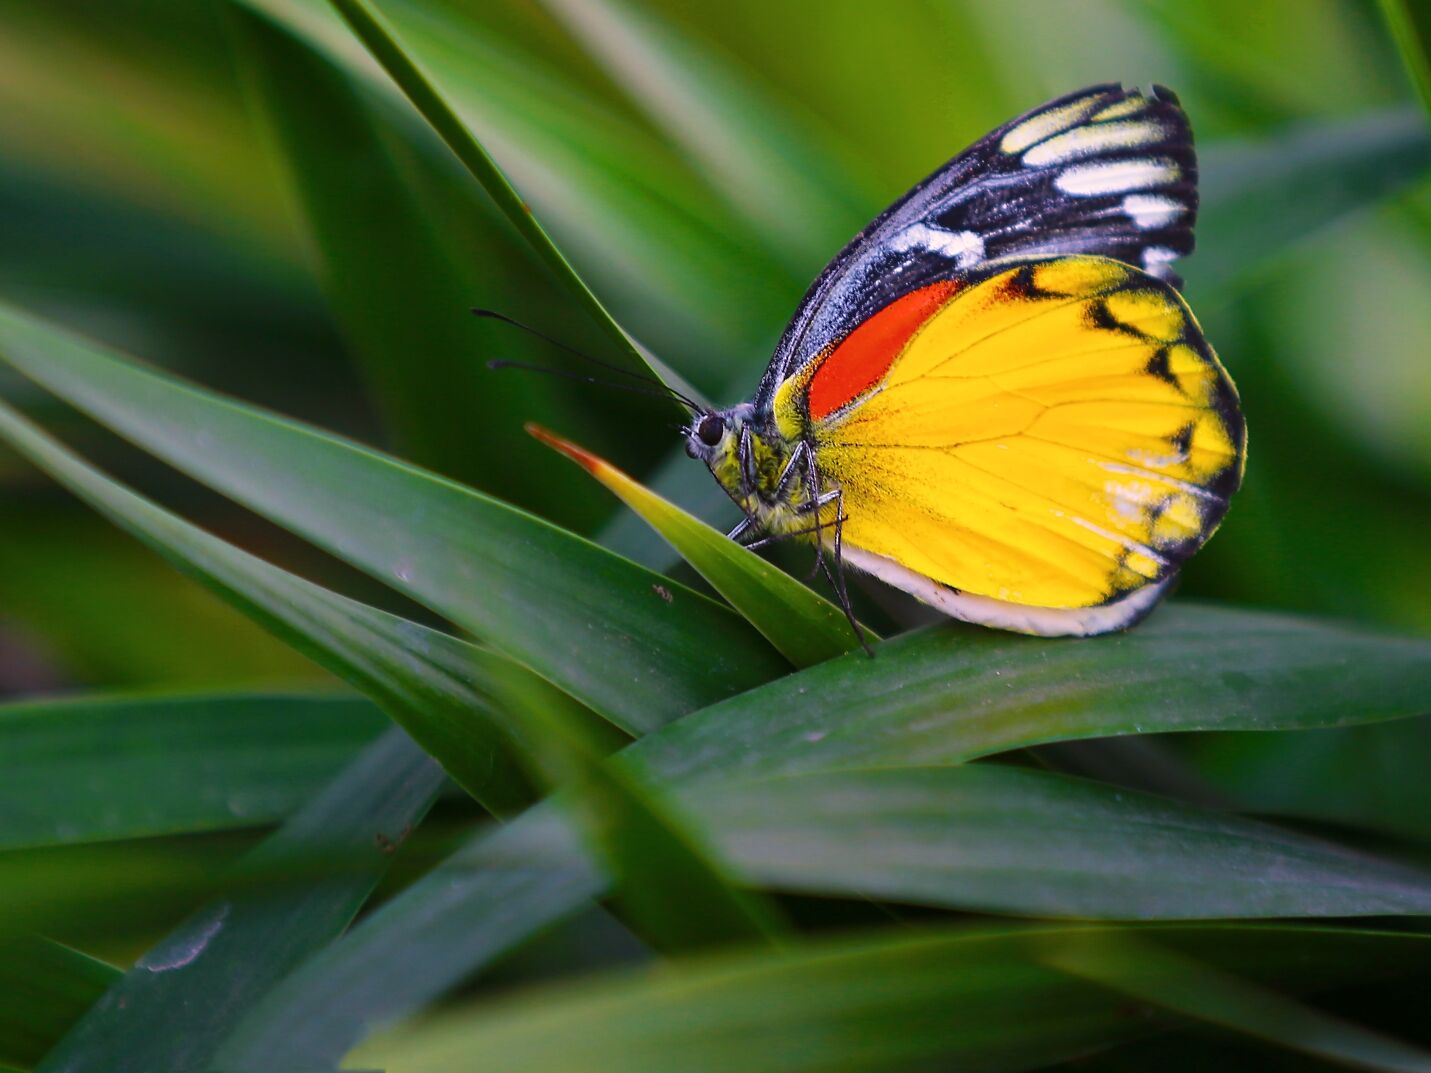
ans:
(860, 360)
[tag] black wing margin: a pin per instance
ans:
(1104, 171)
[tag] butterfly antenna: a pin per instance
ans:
(654, 392)
(659, 387)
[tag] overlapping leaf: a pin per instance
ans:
(935, 698)
(92, 769)
(229, 952)
(47, 988)
(1411, 27)
(972, 999)
(805, 627)
(400, 285)
(636, 647)
(427, 680)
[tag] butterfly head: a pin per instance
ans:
(715, 434)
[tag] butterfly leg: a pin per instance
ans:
(746, 455)
(788, 535)
(742, 527)
(837, 579)
(817, 503)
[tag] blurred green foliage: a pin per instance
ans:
(236, 192)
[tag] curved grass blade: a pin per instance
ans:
(952, 693)
(939, 697)
(1260, 197)
(979, 837)
(633, 829)
(647, 228)
(424, 679)
(400, 285)
(378, 37)
(1410, 26)
(91, 769)
(932, 998)
(676, 892)
(174, 1007)
(766, 165)
(1011, 840)
(599, 627)
(47, 988)
(1180, 984)
(804, 626)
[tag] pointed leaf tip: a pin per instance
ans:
(580, 455)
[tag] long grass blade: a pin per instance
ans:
(425, 679)
(382, 42)
(804, 626)
(572, 612)
(1410, 26)
(92, 769)
(174, 1007)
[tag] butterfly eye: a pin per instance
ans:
(710, 430)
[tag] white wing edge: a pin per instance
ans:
(1003, 615)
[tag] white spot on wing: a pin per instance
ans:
(1130, 544)
(1131, 500)
(1116, 177)
(1086, 141)
(1152, 461)
(1150, 211)
(1155, 256)
(1182, 486)
(964, 247)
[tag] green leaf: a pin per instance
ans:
(495, 892)
(401, 285)
(941, 696)
(1370, 776)
(1180, 984)
(173, 1008)
(804, 626)
(670, 885)
(380, 41)
(952, 693)
(648, 229)
(935, 999)
(1410, 26)
(426, 680)
(47, 987)
(981, 837)
(90, 769)
(640, 838)
(595, 625)
(1011, 840)
(736, 133)
(1260, 197)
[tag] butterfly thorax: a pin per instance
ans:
(766, 473)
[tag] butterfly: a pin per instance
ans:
(994, 397)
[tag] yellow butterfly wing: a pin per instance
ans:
(1038, 449)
